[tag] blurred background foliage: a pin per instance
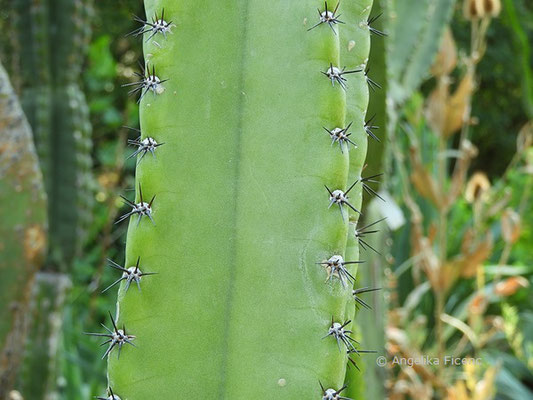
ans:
(112, 59)
(458, 267)
(488, 227)
(499, 106)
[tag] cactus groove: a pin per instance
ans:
(239, 307)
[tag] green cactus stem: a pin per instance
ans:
(239, 307)
(39, 371)
(53, 37)
(377, 72)
(365, 381)
(22, 231)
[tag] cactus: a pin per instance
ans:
(33, 31)
(232, 213)
(370, 382)
(378, 73)
(22, 231)
(365, 382)
(415, 29)
(53, 39)
(70, 212)
(38, 375)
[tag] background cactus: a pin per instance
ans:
(22, 231)
(49, 51)
(414, 31)
(52, 43)
(39, 373)
(239, 306)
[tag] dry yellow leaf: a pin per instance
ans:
(468, 262)
(448, 275)
(511, 226)
(437, 105)
(478, 305)
(510, 286)
(446, 59)
(423, 181)
(458, 392)
(457, 104)
(486, 389)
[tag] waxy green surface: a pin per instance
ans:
(239, 307)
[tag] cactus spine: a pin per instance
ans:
(22, 231)
(239, 308)
(53, 38)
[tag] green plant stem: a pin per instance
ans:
(239, 306)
